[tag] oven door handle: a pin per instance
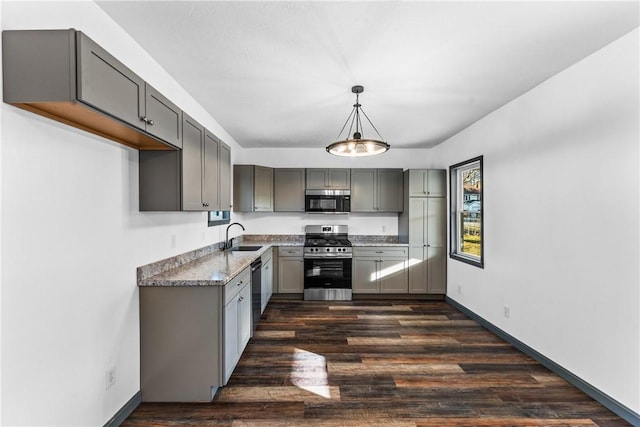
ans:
(336, 256)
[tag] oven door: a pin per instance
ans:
(327, 273)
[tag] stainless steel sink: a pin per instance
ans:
(245, 248)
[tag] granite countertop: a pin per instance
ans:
(211, 266)
(214, 269)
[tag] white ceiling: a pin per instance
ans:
(279, 74)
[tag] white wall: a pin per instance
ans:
(561, 189)
(71, 240)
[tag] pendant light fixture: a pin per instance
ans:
(357, 146)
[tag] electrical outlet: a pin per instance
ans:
(110, 377)
(384, 228)
(173, 241)
(459, 288)
(507, 311)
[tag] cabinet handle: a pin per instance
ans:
(240, 283)
(240, 299)
(379, 252)
(147, 120)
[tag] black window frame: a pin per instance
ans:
(454, 252)
(211, 220)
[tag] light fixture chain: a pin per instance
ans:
(372, 125)
(345, 125)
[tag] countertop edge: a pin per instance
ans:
(177, 276)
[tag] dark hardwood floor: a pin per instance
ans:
(377, 363)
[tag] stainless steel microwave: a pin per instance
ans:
(327, 201)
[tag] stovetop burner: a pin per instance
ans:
(320, 242)
(326, 241)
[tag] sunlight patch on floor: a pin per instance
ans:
(309, 372)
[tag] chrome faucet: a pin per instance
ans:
(228, 243)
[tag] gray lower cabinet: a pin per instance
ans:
(328, 178)
(266, 279)
(191, 338)
(423, 226)
(380, 270)
(376, 190)
(288, 189)
(237, 322)
(66, 76)
(290, 270)
(252, 188)
(195, 178)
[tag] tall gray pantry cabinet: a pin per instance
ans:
(423, 226)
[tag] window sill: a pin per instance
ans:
(467, 260)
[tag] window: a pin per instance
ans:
(466, 230)
(218, 218)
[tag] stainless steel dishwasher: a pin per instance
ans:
(256, 293)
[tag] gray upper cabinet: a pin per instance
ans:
(252, 188)
(196, 178)
(427, 183)
(225, 177)
(210, 171)
(200, 167)
(162, 118)
(108, 85)
(288, 189)
(263, 194)
(65, 76)
(376, 190)
(330, 178)
(192, 164)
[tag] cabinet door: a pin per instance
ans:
(363, 190)
(266, 283)
(164, 118)
(417, 221)
(192, 140)
(436, 183)
(390, 190)
(393, 276)
(263, 188)
(417, 270)
(244, 318)
(418, 182)
(231, 341)
(365, 276)
(317, 179)
(289, 185)
(436, 222)
(290, 275)
(225, 176)
(210, 172)
(107, 84)
(436, 270)
(339, 178)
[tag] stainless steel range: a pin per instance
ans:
(327, 263)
